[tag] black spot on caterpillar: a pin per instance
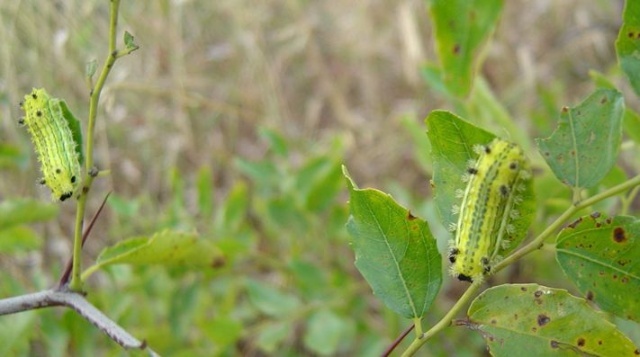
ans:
(452, 255)
(54, 142)
(488, 207)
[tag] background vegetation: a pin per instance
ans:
(233, 119)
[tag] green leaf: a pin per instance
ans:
(234, 210)
(129, 42)
(461, 28)
(631, 124)
(601, 80)
(223, 330)
(533, 320)
(10, 155)
(74, 125)
(84, 339)
(272, 335)
(270, 300)
(628, 43)
(15, 333)
(616, 176)
(420, 142)
(276, 141)
(584, 147)
(432, 75)
(125, 208)
(168, 248)
(56, 337)
(90, 68)
(204, 186)
(265, 174)
(324, 332)
(309, 278)
(602, 257)
(452, 140)
(395, 251)
(22, 211)
(19, 238)
(182, 309)
(284, 214)
(486, 109)
(548, 98)
(318, 182)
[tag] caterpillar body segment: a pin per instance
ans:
(488, 208)
(53, 142)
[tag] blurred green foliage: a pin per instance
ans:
(233, 121)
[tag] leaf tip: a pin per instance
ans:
(352, 186)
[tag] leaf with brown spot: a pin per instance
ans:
(601, 256)
(561, 324)
(628, 46)
(543, 320)
(619, 235)
(396, 255)
(584, 147)
(590, 295)
(461, 29)
(575, 223)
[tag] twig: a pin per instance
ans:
(77, 302)
(76, 269)
(64, 279)
(397, 341)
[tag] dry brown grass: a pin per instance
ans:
(210, 73)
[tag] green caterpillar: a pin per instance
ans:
(48, 120)
(494, 184)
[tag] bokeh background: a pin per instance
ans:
(234, 118)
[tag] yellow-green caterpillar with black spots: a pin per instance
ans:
(48, 121)
(488, 207)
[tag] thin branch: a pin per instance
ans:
(397, 341)
(77, 302)
(113, 54)
(64, 279)
(76, 281)
(446, 319)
